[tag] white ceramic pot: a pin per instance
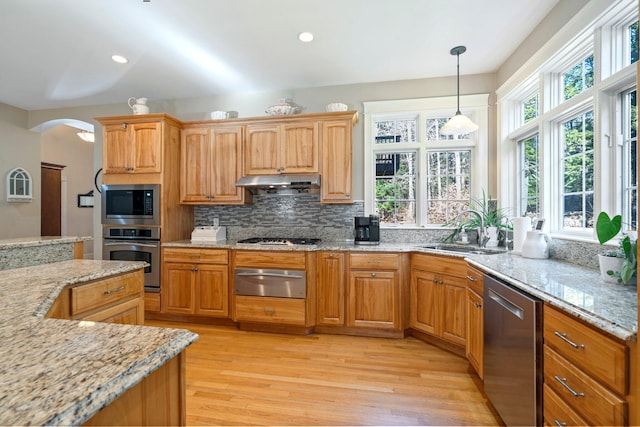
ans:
(336, 106)
(609, 263)
(536, 245)
(138, 105)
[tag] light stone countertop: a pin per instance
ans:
(62, 372)
(575, 289)
(24, 242)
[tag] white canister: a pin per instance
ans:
(536, 245)
(217, 115)
(138, 105)
(520, 227)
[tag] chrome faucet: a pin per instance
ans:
(482, 239)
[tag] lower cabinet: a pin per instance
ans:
(438, 297)
(115, 299)
(475, 320)
(198, 286)
(374, 290)
(288, 311)
(331, 284)
(586, 374)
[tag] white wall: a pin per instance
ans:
(61, 145)
(18, 147)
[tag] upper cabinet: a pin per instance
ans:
(276, 148)
(211, 163)
(337, 178)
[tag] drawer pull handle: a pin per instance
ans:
(269, 310)
(194, 269)
(564, 338)
(471, 278)
(559, 423)
(565, 385)
(374, 261)
(113, 291)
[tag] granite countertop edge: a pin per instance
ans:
(484, 262)
(25, 242)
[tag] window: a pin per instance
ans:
(414, 176)
(577, 172)
(629, 161)
(577, 154)
(578, 78)
(19, 186)
(529, 177)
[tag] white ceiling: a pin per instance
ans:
(57, 53)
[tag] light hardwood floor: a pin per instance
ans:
(248, 378)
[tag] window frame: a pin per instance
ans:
(474, 106)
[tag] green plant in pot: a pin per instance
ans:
(491, 216)
(620, 264)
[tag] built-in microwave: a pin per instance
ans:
(137, 204)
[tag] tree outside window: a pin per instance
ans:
(529, 177)
(578, 78)
(577, 172)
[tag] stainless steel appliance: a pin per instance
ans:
(281, 184)
(367, 230)
(135, 243)
(279, 241)
(270, 283)
(137, 204)
(513, 353)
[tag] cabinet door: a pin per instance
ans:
(146, 143)
(300, 147)
(330, 288)
(475, 325)
(373, 299)
(336, 162)
(178, 288)
(195, 165)
(262, 150)
(116, 155)
(212, 296)
(453, 306)
(424, 297)
(226, 164)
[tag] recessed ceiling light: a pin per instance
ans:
(305, 37)
(119, 59)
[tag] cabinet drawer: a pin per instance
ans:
(209, 256)
(270, 310)
(266, 259)
(130, 312)
(591, 351)
(475, 280)
(374, 261)
(557, 412)
(100, 293)
(448, 265)
(588, 397)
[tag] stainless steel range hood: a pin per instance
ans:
(281, 184)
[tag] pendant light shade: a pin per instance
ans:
(459, 124)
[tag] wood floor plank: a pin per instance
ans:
(250, 378)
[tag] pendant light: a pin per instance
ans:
(459, 124)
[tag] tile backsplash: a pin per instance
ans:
(304, 216)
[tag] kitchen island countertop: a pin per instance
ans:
(575, 289)
(62, 372)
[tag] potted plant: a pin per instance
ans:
(616, 265)
(492, 217)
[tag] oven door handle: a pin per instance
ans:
(287, 276)
(125, 243)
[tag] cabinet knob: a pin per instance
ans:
(194, 269)
(478, 305)
(330, 255)
(124, 126)
(373, 274)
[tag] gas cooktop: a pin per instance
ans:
(285, 241)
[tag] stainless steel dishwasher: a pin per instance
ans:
(513, 353)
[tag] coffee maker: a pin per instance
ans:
(367, 230)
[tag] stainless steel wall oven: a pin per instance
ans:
(135, 243)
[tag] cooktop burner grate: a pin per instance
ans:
(280, 241)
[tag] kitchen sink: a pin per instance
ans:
(464, 249)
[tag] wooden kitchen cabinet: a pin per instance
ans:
(198, 286)
(337, 175)
(132, 148)
(211, 164)
(276, 148)
(585, 370)
(374, 290)
(115, 299)
(330, 285)
(438, 297)
(474, 344)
